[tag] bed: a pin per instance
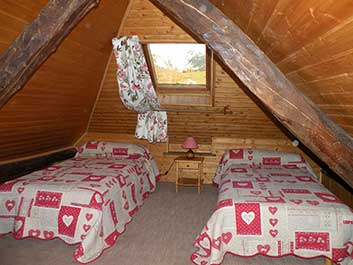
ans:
(87, 200)
(271, 203)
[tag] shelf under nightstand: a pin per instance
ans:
(194, 166)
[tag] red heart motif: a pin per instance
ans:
(89, 216)
(20, 189)
(34, 233)
(193, 256)
(204, 242)
(297, 201)
(313, 202)
(18, 225)
(243, 184)
(250, 157)
(86, 227)
(272, 209)
(222, 191)
(255, 192)
(226, 237)
(216, 243)
(264, 249)
(48, 234)
(9, 204)
(250, 152)
(273, 221)
(79, 252)
(273, 232)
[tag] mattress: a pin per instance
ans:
(87, 200)
(271, 203)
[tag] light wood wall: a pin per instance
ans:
(243, 118)
(52, 110)
(243, 125)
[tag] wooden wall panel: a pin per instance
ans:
(298, 35)
(243, 119)
(53, 109)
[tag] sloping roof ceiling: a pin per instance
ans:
(311, 41)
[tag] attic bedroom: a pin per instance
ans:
(239, 152)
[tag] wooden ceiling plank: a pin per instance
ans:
(37, 42)
(290, 106)
(335, 41)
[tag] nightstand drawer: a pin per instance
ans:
(189, 165)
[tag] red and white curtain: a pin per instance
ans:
(136, 90)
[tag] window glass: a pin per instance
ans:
(179, 64)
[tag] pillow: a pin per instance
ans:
(113, 150)
(262, 157)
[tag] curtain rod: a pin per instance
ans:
(224, 110)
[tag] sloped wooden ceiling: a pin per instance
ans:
(53, 108)
(311, 41)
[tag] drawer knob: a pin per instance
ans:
(187, 165)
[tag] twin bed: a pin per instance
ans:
(269, 203)
(86, 200)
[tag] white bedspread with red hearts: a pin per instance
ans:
(85, 200)
(271, 203)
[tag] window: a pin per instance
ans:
(181, 72)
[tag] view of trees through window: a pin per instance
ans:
(179, 64)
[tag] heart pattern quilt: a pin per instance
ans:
(271, 203)
(87, 200)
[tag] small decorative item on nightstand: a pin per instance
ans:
(192, 166)
(190, 143)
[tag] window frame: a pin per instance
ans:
(184, 88)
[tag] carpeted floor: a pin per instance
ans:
(160, 234)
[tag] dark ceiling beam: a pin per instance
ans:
(37, 42)
(262, 77)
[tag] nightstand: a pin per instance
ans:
(193, 166)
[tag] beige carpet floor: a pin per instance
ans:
(160, 234)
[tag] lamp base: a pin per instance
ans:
(190, 154)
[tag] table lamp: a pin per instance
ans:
(190, 143)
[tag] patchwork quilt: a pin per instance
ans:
(86, 200)
(272, 203)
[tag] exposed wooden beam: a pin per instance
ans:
(286, 102)
(37, 42)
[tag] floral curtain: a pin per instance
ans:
(136, 90)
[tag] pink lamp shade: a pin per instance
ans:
(190, 143)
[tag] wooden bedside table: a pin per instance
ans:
(194, 166)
